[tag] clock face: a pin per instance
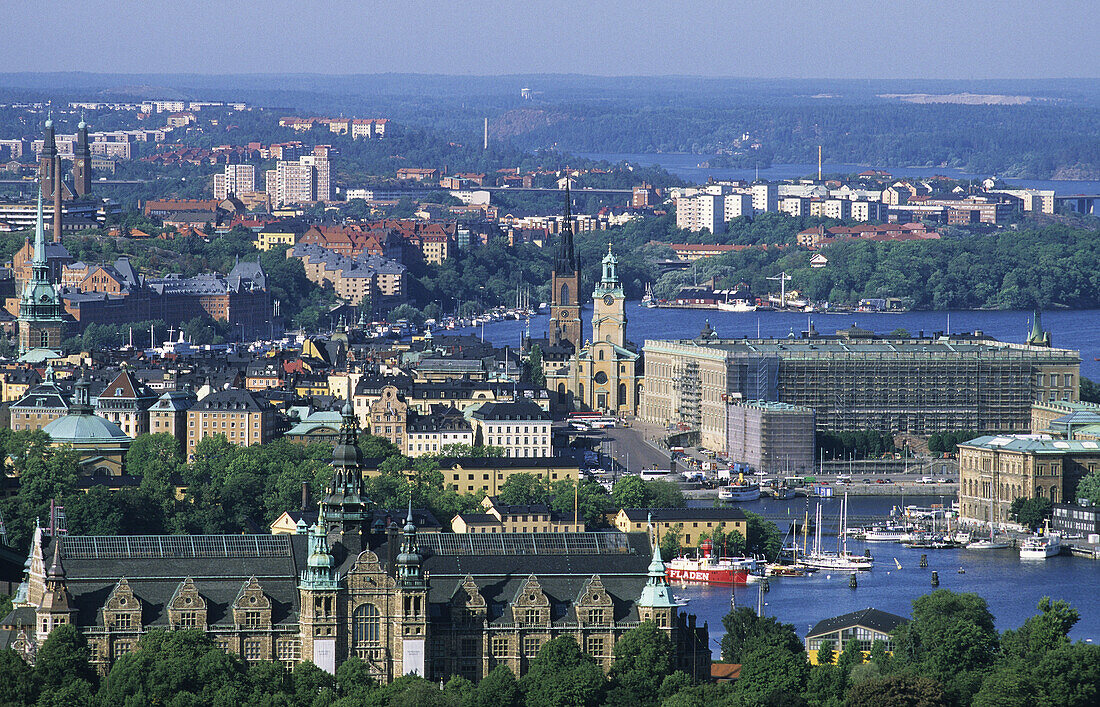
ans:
(608, 300)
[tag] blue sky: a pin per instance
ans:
(849, 39)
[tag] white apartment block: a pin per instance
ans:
(765, 197)
(701, 211)
(795, 205)
(868, 211)
(236, 179)
(737, 205)
(305, 180)
(838, 209)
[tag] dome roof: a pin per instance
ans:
(85, 429)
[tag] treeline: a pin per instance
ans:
(948, 655)
(1034, 141)
(862, 444)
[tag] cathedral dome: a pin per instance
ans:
(84, 428)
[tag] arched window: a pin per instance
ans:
(368, 625)
(580, 391)
(564, 293)
(601, 354)
(622, 394)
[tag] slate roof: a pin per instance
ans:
(518, 410)
(234, 399)
(871, 618)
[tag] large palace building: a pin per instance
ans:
(855, 380)
(431, 604)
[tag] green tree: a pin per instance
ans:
(561, 675)
(1042, 633)
(1089, 487)
(1030, 512)
(497, 689)
(533, 367)
(644, 657)
(1088, 391)
(354, 681)
(745, 632)
(664, 494)
(18, 684)
(1067, 675)
(64, 659)
(763, 537)
(902, 690)
(670, 542)
(951, 639)
(524, 489)
(1008, 685)
(771, 674)
(629, 492)
(592, 500)
(826, 653)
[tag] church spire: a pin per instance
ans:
(566, 262)
(39, 257)
(656, 594)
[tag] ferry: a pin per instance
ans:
(886, 534)
(709, 569)
(740, 491)
(1040, 546)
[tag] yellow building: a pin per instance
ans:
(864, 627)
(486, 475)
(605, 375)
(503, 518)
(693, 522)
(243, 418)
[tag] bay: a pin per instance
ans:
(1011, 587)
(686, 166)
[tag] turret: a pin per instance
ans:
(56, 607)
(409, 573)
(1038, 337)
(656, 602)
(82, 161)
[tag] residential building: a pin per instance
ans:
(236, 179)
(39, 405)
(521, 428)
(693, 522)
(126, 402)
(389, 415)
(433, 432)
(240, 415)
(487, 475)
(735, 206)
(168, 414)
(702, 211)
(503, 518)
(765, 197)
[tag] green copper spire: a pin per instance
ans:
(39, 257)
(656, 594)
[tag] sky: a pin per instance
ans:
(955, 39)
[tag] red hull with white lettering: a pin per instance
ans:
(709, 575)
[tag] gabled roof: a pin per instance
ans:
(870, 618)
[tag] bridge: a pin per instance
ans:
(108, 182)
(582, 190)
(1081, 203)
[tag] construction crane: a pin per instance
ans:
(783, 277)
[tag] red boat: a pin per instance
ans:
(708, 569)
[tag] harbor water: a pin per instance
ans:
(1012, 587)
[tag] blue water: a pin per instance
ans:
(1011, 587)
(687, 167)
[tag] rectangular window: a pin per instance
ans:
(500, 646)
(288, 650)
(531, 616)
(471, 647)
(531, 645)
(253, 619)
(123, 647)
(252, 650)
(593, 646)
(188, 619)
(122, 622)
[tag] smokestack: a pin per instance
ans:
(485, 146)
(57, 199)
(305, 496)
(819, 163)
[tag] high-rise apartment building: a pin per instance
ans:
(765, 197)
(701, 211)
(307, 179)
(236, 179)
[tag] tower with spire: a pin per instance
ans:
(1038, 337)
(343, 510)
(609, 304)
(82, 161)
(656, 603)
(41, 312)
(55, 608)
(49, 161)
(565, 287)
(412, 598)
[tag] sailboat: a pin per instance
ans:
(821, 559)
(992, 543)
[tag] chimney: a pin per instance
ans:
(305, 496)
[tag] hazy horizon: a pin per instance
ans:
(863, 39)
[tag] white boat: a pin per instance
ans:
(990, 544)
(741, 490)
(737, 305)
(842, 560)
(886, 534)
(1040, 546)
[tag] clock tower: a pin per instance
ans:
(41, 311)
(609, 304)
(565, 289)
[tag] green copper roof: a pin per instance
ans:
(85, 429)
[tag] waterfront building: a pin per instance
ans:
(1074, 519)
(404, 601)
(994, 470)
(855, 380)
(770, 436)
(864, 627)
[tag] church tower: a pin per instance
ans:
(82, 161)
(565, 288)
(56, 607)
(41, 313)
(609, 304)
(48, 161)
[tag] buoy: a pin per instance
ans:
(867, 552)
(962, 571)
(935, 578)
(924, 561)
(897, 563)
(852, 582)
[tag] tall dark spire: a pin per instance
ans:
(566, 262)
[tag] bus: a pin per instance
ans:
(593, 420)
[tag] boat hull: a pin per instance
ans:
(746, 492)
(719, 575)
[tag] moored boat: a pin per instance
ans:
(740, 490)
(709, 569)
(1042, 545)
